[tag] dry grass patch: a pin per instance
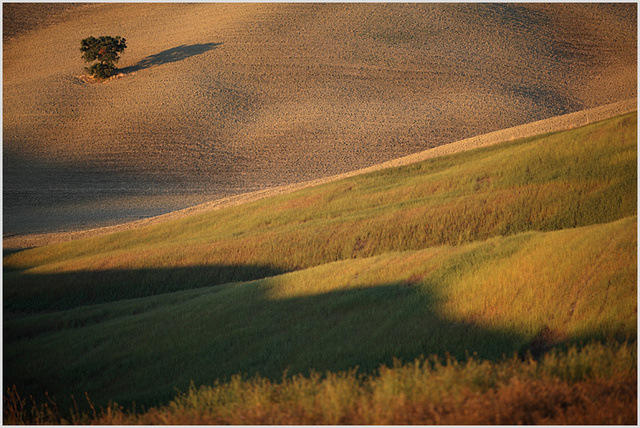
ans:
(426, 392)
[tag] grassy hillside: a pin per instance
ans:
(594, 384)
(577, 178)
(492, 298)
(515, 248)
(227, 98)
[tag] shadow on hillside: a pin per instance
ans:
(248, 330)
(561, 103)
(176, 54)
(52, 292)
(44, 195)
(9, 251)
(165, 343)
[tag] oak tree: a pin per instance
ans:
(105, 50)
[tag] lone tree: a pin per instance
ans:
(105, 50)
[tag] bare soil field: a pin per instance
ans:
(553, 124)
(217, 100)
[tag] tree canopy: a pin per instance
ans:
(105, 50)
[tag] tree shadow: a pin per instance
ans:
(176, 54)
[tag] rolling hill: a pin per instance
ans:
(527, 246)
(310, 246)
(222, 99)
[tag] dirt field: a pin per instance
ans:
(217, 100)
(557, 123)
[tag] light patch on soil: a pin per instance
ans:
(93, 80)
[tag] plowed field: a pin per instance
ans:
(221, 99)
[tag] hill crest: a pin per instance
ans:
(559, 123)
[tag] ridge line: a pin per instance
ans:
(544, 126)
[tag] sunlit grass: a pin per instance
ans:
(569, 179)
(530, 291)
(583, 270)
(518, 248)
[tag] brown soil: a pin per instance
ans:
(559, 123)
(218, 100)
(20, 18)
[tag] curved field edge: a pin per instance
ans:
(563, 180)
(268, 81)
(525, 293)
(553, 124)
(593, 384)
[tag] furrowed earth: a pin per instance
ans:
(216, 100)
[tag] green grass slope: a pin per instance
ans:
(513, 248)
(569, 179)
(500, 296)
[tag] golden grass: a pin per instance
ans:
(569, 179)
(497, 297)
(512, 249)
(425, 392)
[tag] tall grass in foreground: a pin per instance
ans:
(506, 295)
(569, 179)
(593, 384)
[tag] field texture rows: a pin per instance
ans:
(222, 99)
